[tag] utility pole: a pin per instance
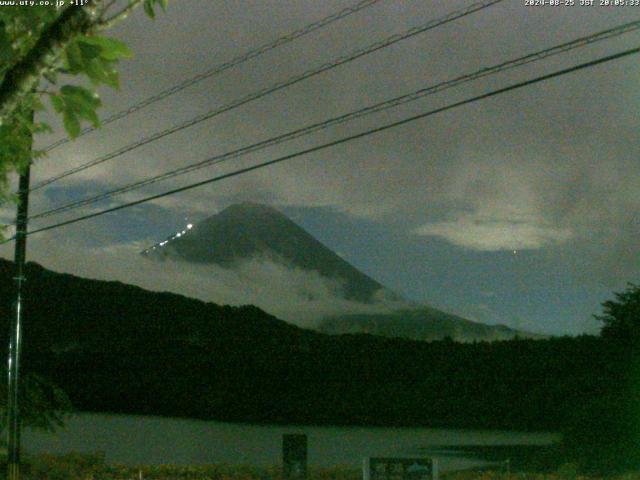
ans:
(13, 370)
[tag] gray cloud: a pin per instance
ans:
(292, 294)
(495, 233)
(552, 167)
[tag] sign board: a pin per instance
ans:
(294, 456)
(388, 468)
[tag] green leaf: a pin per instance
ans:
(150, 4)
(76, 103)
(71, 123)
(110, 48)
(57, 102)
(88, 51)
(148, 8)
(15, 139)
(37, 154)
(102, 71)
(112, 78)
(74, 59)
(81, 95)
(81, 102)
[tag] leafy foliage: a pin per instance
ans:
(602, 434)
(28, 48)
(621, 317)
(75, 103)
(83, 466)
(150, 5)
(76, 466)
(96, 57)
(18, 34)
(43, 404)
(19, 31)
(88, 55)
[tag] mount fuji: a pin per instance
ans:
(248, 232)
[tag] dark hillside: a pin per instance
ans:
(118, 348)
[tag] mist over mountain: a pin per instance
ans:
(330, 294)
(420, 323)
(250, 230)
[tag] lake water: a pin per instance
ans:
(135, 440)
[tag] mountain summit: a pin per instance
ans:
(248, 230)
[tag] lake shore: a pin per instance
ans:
(81, 467)
(145, 440)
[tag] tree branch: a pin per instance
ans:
(106, 8)
(20, 80)
(121, 15)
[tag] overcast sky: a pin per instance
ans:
(520, 209)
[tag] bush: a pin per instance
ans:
(75, 466)
(93, 467)
(64, 467)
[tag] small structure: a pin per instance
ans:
(388, 468)
(294, 456)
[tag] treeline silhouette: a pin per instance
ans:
(118, 348)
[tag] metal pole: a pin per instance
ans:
(13, 375)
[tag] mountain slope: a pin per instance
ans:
(423, 323)
(247, 230)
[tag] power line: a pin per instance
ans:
(340, 141)
(251, 54)
(387, 104)
(274, 88)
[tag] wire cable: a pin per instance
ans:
(387, 104)
(342, 140)
(274, 88)
(216, 70)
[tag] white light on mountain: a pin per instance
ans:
(178, 234)
(189, 227)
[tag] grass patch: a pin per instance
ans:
(76, 466)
